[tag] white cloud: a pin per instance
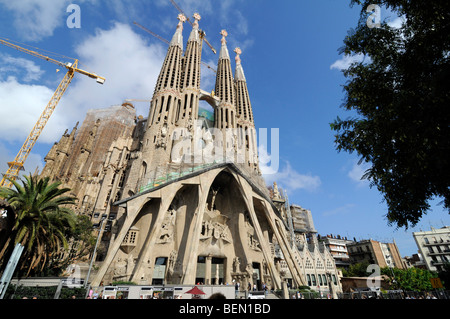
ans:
(22, 105)
(35, 19)
(128, 63)
(347, 60)
(357, 171)
(289, 179)
(26, 69)
(397, 22)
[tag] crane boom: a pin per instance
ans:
(201, 32)
(69, 66)
(203, 37)
(165, 41)
(181, 11)
(152, 33)
(17, 165)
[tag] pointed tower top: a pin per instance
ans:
(177, 38)
(224, 34)
(182, 19)
(197, 18)
(239, 73)
(194, 36)
(224, 50)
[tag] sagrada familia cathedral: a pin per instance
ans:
(178, 197)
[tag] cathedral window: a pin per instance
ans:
(107, 199)
(178, 111)
(130, 237)
(144, 168)
(313, 277)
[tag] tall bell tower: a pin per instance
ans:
(210, 222)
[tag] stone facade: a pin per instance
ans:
(178, 202)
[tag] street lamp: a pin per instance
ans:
(95, 249)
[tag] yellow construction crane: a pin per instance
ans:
(167, 42)
(17, 165)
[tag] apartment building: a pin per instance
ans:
(375, 252)
(434, 247)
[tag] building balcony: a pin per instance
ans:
(436, 243)
(437, 253)
(439, 262)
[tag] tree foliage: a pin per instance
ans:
(43, 223)
(411, 279)
(400, 95)
(357, 270)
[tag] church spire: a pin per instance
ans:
(224, 88)
(194, 36)
(223, 49)
(239, 73)
(177, 38)
(192, 56)
(244, 115)
(165, 102)
(187, 110)
(243, 105)
(169, 76)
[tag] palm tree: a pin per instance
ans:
(42, 220)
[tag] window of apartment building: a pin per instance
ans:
(308, 277)
(324, 277)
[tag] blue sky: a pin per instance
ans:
(290, 60)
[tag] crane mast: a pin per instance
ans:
(18, 163)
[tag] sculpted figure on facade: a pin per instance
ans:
(167, 227)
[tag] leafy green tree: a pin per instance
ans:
(444, 275)
(399, 96)
(42, 222)
(411, 279)
(356, 270)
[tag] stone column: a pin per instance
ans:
(208, 270)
